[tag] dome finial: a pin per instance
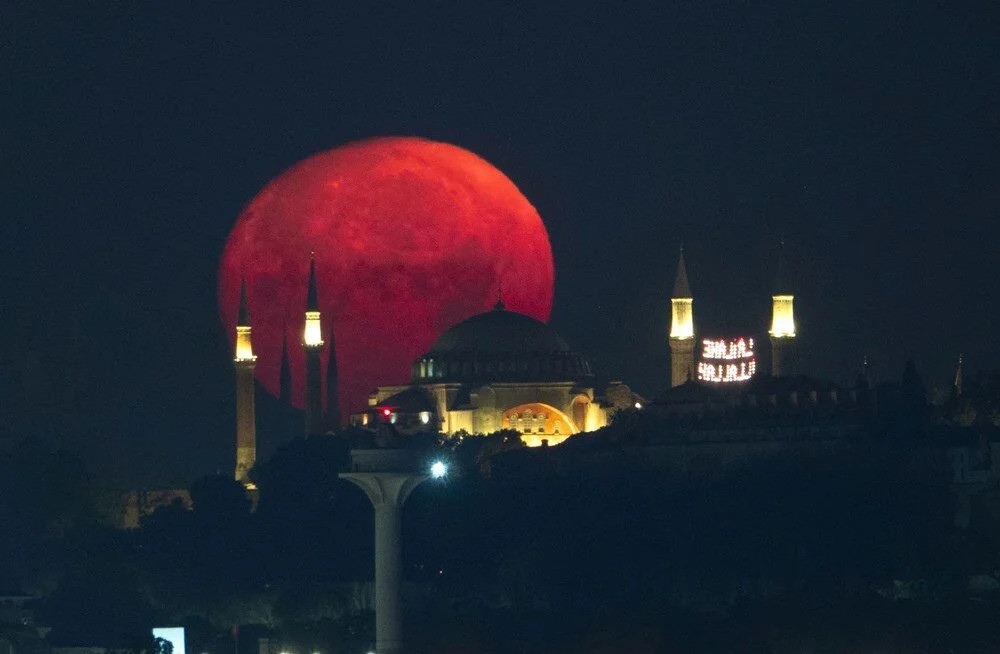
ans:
(499, 306)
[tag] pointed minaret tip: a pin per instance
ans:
(312, 296)
(243, 319)
(782, 286)
(681, 286)
(499, 306)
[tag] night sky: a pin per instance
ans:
(866, 134)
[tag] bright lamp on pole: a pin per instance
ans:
(438, 469)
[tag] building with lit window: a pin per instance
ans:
(500, 370)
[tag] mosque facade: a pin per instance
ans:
(502, 370)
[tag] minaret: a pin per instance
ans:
(285, 374)
(782, 322)
(244, 362)
(312, 343)
(332, 387)
(681, 328)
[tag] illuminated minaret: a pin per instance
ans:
(332, 387)
(244, 361)
(681, 328)
(312, 343)
(782, 323)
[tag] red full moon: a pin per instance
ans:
(410, 237)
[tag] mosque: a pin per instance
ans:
(501, 370)
(504, 370)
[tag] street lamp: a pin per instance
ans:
(438, 469)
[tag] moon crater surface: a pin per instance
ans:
(410, 236)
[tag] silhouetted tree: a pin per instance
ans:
(312, 524)
(219, 498)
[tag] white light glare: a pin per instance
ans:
(438, 469)
(638, 405)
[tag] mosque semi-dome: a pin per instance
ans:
(501, 345)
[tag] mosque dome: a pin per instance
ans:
(501, 345)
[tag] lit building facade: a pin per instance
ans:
(500, 370)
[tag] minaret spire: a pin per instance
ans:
(782, 285)
(782, 319)
(312, 343)
(285, 374)
(244, 314)
(312, 296)
(244, 362)
(681, 327)
(332, 386)
(681, 287)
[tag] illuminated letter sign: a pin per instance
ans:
(725, 361)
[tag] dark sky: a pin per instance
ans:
(868, 134)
